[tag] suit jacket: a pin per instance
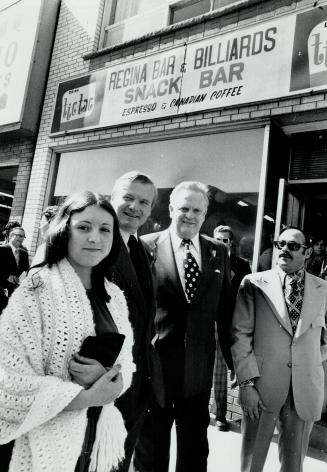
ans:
(185, 332)
(9, 266)
(239, 268)
(263, 345)
(141, 316)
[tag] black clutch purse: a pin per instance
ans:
(104, 347)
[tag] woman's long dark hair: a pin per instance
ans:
(58, 234)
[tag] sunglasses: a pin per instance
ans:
(291, 245)
(224, 240)
(18, 235)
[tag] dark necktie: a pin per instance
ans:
(294, 289)
(138, 261)
(191, 271)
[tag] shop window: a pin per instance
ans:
(8, 176)
(124, 20)
(186, 9)
(221, 3)
(230, 166)
(189, 9)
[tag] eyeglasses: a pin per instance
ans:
(18, 235)
(224, 240)
(291, 245)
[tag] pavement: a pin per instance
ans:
(224, 453)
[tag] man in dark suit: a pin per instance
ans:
(133, 197)
(193, 293)
(239, 269)
(14, 261)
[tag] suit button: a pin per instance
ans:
(289, 364)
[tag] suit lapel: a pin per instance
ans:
(205, 268)
(313, 297)
(270, 284)
(166, 259)
(126, 271)
(12, 257)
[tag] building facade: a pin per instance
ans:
(26, 36)
(233, 94)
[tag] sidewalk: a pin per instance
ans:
(224, 455)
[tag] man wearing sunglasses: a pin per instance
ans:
(279, 342)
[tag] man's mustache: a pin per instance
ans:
(285, 254)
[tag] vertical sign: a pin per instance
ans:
(18, 27)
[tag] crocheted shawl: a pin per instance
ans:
(43, 326)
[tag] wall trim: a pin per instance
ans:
(161, 135)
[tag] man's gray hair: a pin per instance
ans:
(192, 186)
(134, 176)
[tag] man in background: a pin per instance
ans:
(47, 216)
(14, 261)
(239, 268)
(317, 263)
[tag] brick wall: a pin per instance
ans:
(20, 151)
(77, 34)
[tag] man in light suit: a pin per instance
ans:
(133, 197)
(193, 293)
(279, 341)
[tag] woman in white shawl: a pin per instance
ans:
(46, 387)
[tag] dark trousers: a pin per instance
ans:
(191, 416)
(133, 431)
(133, 405)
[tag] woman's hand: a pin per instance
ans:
(85, 371)
(105, 390)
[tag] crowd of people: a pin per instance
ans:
(109, 337)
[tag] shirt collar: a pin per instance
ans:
(298, 275)
(177, 241)
(13, 248)
(126, 236)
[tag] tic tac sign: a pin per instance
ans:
(269, 60)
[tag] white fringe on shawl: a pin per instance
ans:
(43, 326)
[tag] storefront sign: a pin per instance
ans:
(18, 26)
(271, 60)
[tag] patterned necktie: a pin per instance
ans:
(293, 291)
(191, 271)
